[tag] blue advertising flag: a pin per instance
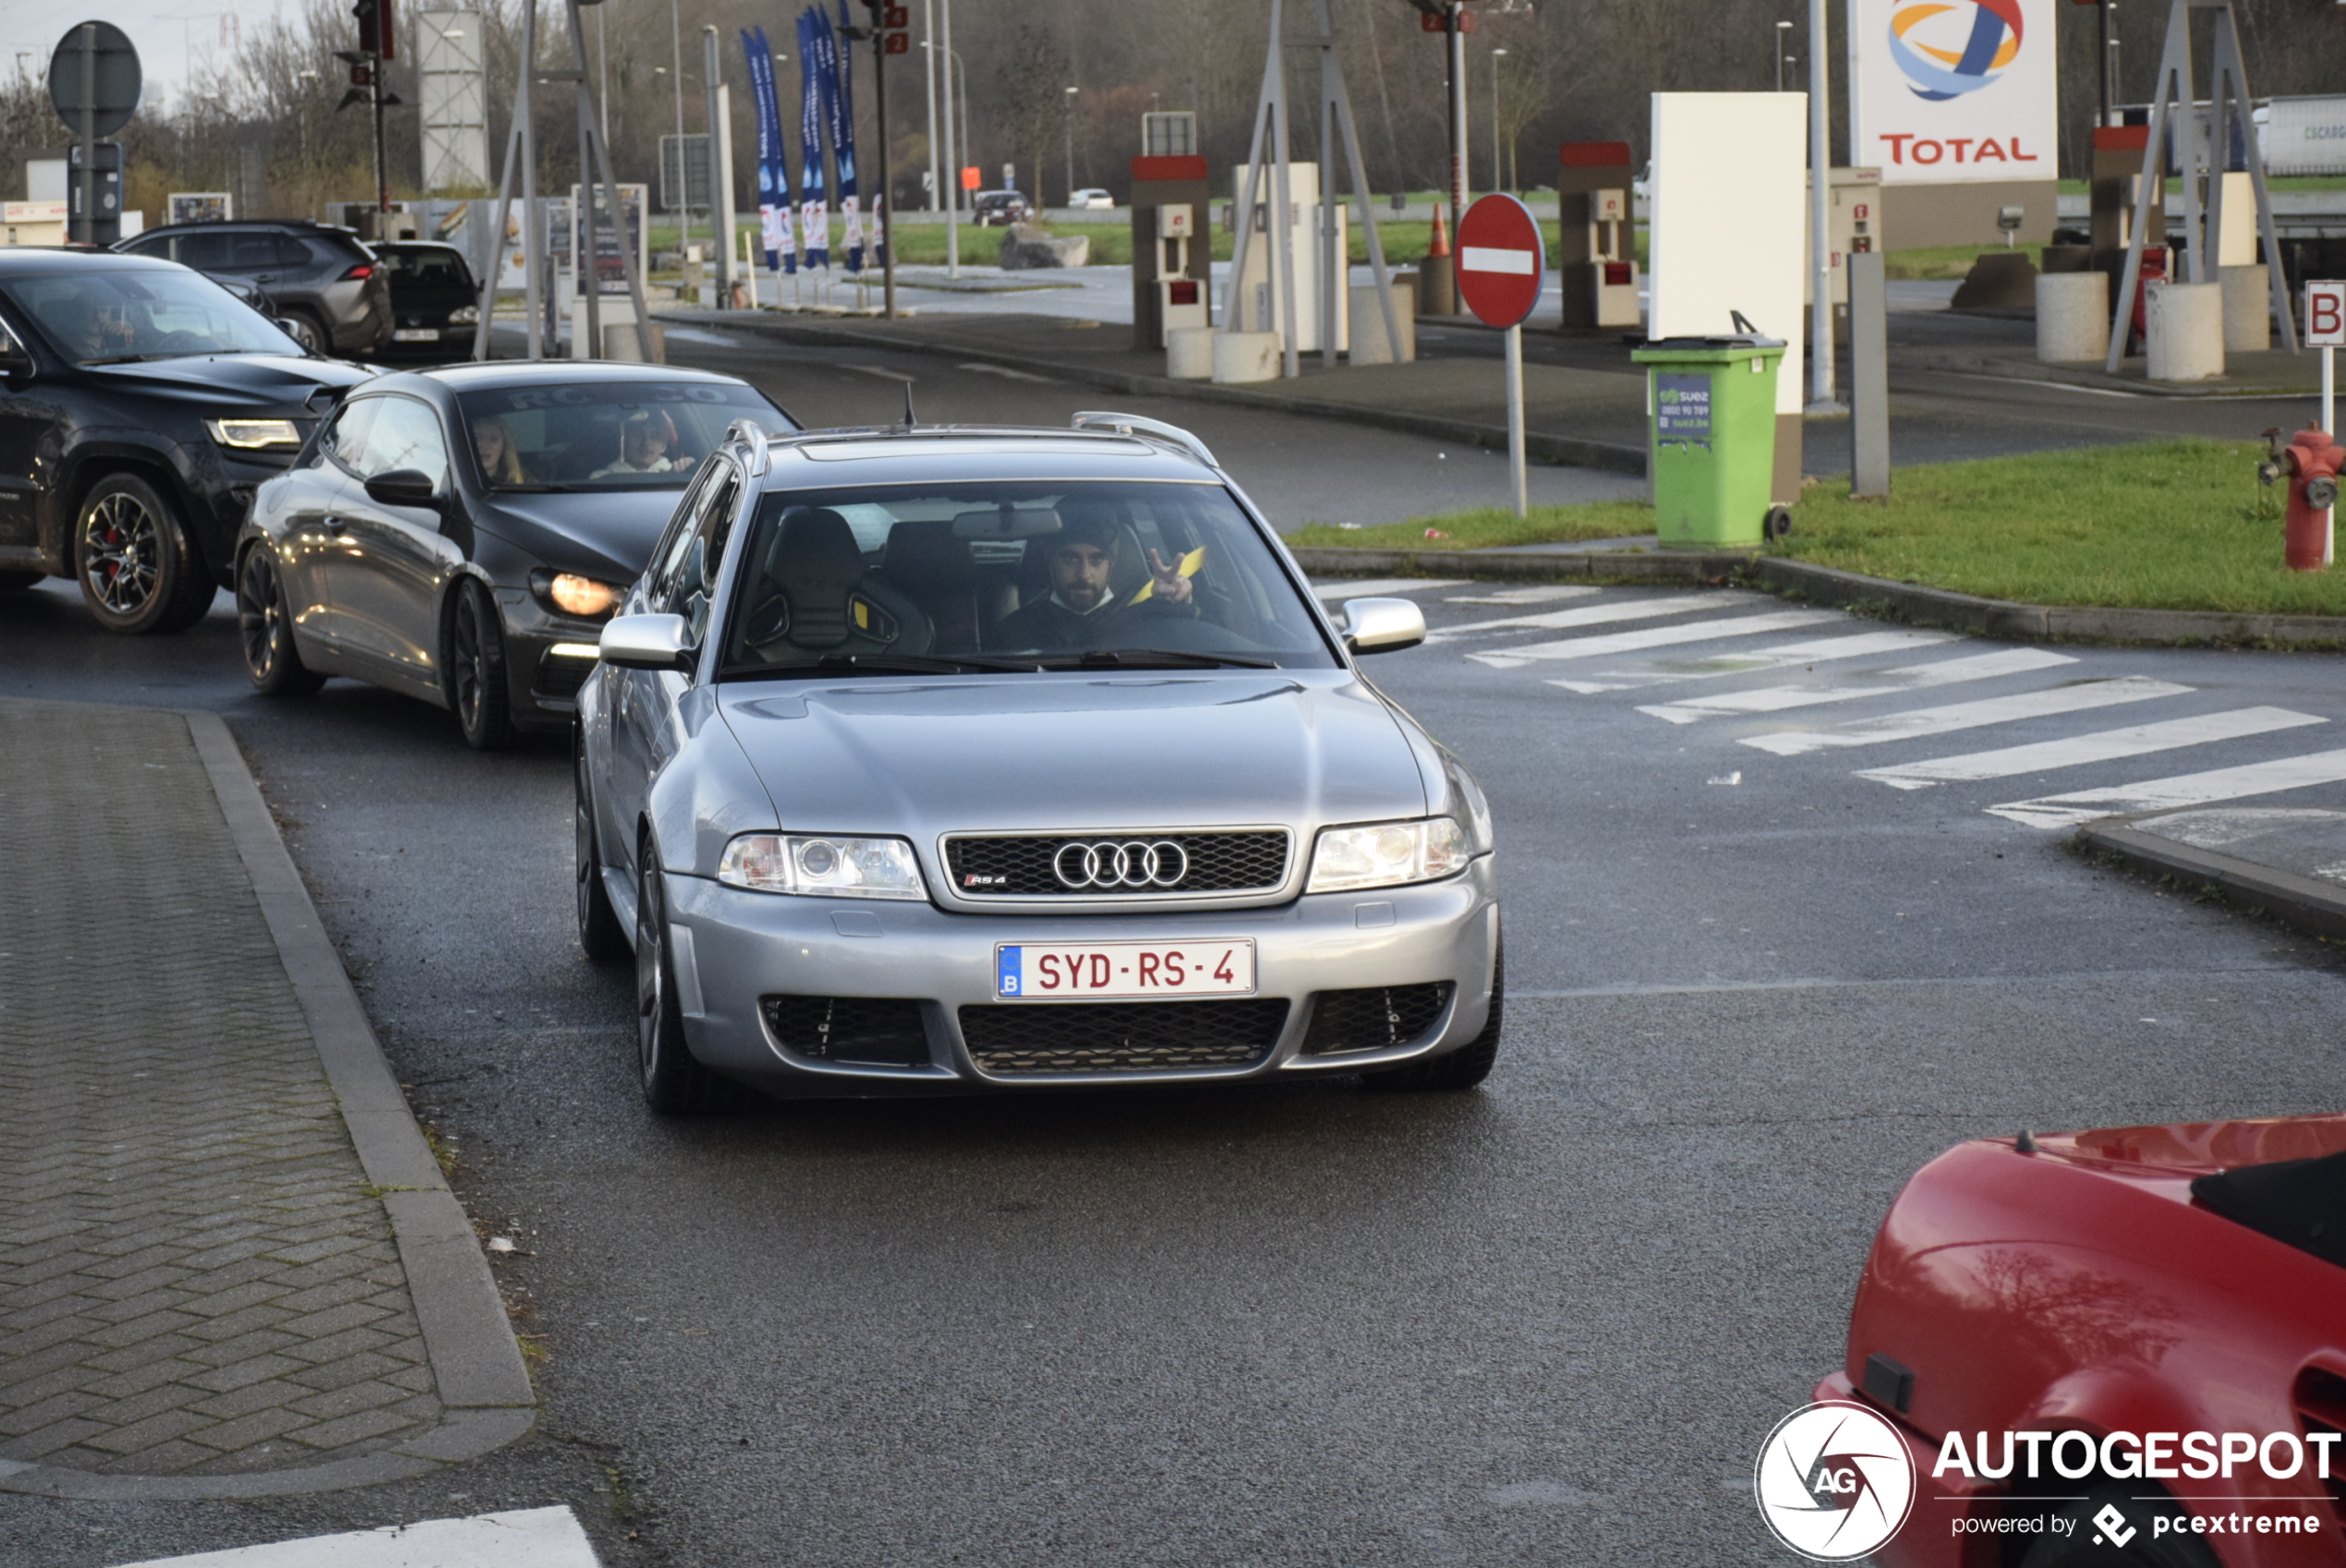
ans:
(773, 156)
(839, 67)
(814, 217)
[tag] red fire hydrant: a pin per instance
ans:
(2313, 460)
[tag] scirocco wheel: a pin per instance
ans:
(264, 628)
(138, 572)
(476, 674)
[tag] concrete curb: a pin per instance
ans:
(1846, 590)
(1539, 447)
(2088, 374)
(2299, 902)
(475, 1362)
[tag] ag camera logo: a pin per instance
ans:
(1833, 1481)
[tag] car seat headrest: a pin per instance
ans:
(816, 564)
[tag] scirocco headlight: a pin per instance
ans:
(825, 867)
(574, 595)
(1388, 854)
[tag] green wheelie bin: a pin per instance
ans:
(1713, 401)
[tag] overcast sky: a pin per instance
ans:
(166, 32)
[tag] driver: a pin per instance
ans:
(1081, 610)
(104, 330)
(645, 438)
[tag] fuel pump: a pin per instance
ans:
(1181, 298)
(1596, 263)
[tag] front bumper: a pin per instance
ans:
(732, 948)
(1957, 1521)
(548, 658)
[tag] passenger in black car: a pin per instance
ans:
(1083, 609)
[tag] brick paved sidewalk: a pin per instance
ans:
(196, 1277)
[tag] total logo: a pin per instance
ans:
(1833, 1481)
(1948, 50)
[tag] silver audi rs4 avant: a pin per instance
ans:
(933, 759)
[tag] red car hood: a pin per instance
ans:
(2190, 1149)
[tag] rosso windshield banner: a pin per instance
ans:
(1949, 90)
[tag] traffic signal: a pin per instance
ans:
(375, 31)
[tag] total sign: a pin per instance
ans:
(1948, 90)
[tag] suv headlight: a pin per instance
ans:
(465, 316)
(1386, 854)
(824, 867)
(251, 434)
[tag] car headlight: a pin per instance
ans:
(585, 597)
(251, 434)
(465, 316)
(1386, 854)
(824, 867)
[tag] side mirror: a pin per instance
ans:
(647, 642)
(404, 486)
(16, 360)
(1382, 625)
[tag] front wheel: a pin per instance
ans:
(1462, 1068)
(138, 571)
(475, 677)
(674, 1082)
(264, 626)
(600, 933)
(311, 333)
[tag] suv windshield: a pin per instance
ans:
(608, 434)
(101, 317)
(936, 577)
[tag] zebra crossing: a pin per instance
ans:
(1755, 669)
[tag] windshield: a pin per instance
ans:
(608, 434)
(103, 316)
(1020, 577)
(425, 267)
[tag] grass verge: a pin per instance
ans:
(2167, 524)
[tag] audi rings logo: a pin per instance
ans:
(1834, 1481)
(1133, 864)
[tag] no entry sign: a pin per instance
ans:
(1501, 260)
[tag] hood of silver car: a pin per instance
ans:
(922, 756)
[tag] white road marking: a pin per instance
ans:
(2106, 745)
(1654, 637)
(1823, 650)
(1913, 677)
(1540, 593)
(1586, 615)
(2075, 697)
(1008, 374)
(2183, 789)
(1378, 587)
(882, 371)
(529, 1538)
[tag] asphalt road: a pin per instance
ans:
(1549, 1321)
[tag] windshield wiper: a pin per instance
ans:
(141, 358)
(1155, 658)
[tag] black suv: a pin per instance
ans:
(140, 403)
(326, 284)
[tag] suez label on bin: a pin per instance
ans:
(1681, 405)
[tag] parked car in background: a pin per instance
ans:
(1091, 198)
(1052, 717)
(2132, 1286)
(326, 283)
(995, 207)
(435, 302)
(140, 405)
(461, 534)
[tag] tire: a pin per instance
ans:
(307, 330)
(674, 1082)
(139, 573)
(1462, 1068)
(12, 581)
(2085, 1547)
(600, 933)
(474, 675)
(264, 630)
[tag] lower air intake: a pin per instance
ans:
(1082, 1037)
(1374, 1018)
(864, 1030)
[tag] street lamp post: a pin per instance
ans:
(1070, 150)
(684, 174)
(1784, 37)
(1498, 168)
(928, 67)
(954, 152)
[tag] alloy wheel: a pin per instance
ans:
(260, 613)
(472, 671)
(651, 983)
(121, 553)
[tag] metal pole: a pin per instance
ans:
(1515, 420)
(954, 152)
(1498, 165)
(90, 134)
(2329, 390)
(1457, 18)
(928, 60)
(2108, 62)
(1282, 196)
(720, 195)
(886, 196)
(684, 170)
(1336, 262)
(1783, 33)
(1822, 400)
(382, 161)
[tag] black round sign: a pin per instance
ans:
(95, 68)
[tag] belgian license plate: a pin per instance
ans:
(415, 334)
(1069, 971)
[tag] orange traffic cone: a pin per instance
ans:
(1441, 243)
(1437, 284)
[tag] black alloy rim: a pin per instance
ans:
(650, 983)
(260, 613)
(587, 870)
(471, 661)
(121, 553)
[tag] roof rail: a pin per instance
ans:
(1135, 424)
(751, 434)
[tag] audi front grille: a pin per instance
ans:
(1113, 865)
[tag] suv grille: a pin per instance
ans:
(1209, 862)
(876, 1031)
(1373, 1020)
(1122, 1036)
